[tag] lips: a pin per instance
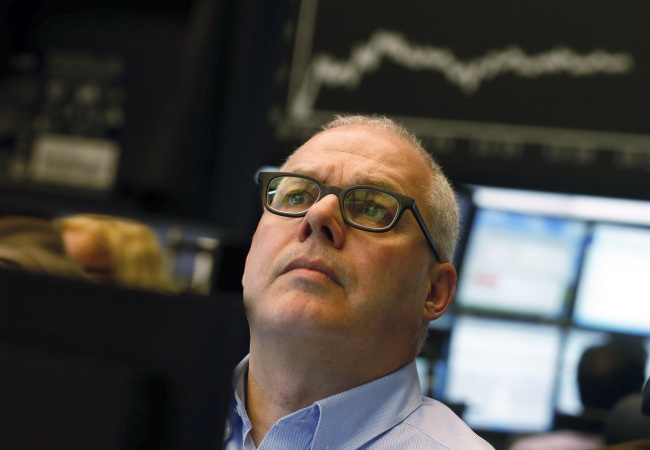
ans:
(317, 265)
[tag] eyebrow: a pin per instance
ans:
(370, 181)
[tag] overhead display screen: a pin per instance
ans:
(533, 85)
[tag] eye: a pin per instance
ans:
(297, 198)
(292, 194)
(375, 211)
(371, 208)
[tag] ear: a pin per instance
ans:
(441, 293)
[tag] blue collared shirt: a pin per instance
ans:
(387, 413)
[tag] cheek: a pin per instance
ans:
(253, 258)
(395, 281)
(399, 267)
(265, 246)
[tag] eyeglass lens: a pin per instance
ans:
(365, 207)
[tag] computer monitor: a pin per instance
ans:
(612, 292)
(90, 366)
(503, 371)
(520, 264)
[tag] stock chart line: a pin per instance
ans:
(367, 57)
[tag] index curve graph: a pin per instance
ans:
(466, 75)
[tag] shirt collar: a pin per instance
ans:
(363, 413)
(239, 416)
(353, 417)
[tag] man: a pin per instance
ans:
(339, 290)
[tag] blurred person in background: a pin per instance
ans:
(115, 250)
(606, 374)
(29, 242)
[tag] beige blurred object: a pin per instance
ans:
(32, 244)
(116, 250)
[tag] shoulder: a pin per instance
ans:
(434, 426)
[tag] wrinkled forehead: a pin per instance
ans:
(354, 155)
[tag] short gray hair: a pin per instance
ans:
(441, 207)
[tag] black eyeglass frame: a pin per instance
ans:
(404, 202)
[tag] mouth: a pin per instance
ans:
(313, 266)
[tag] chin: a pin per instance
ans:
(303, 318)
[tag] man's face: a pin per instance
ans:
(317, 277)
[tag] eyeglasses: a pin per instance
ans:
(367, 208)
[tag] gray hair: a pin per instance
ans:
(441, 207)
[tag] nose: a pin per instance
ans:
(324, 221)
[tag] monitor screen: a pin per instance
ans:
(612, 293)
(504, 373)
(520, 263)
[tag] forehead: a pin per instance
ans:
(354, 155)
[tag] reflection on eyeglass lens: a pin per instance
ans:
(292, 194)
(371, 208)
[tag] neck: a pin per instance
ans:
(284, 377)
